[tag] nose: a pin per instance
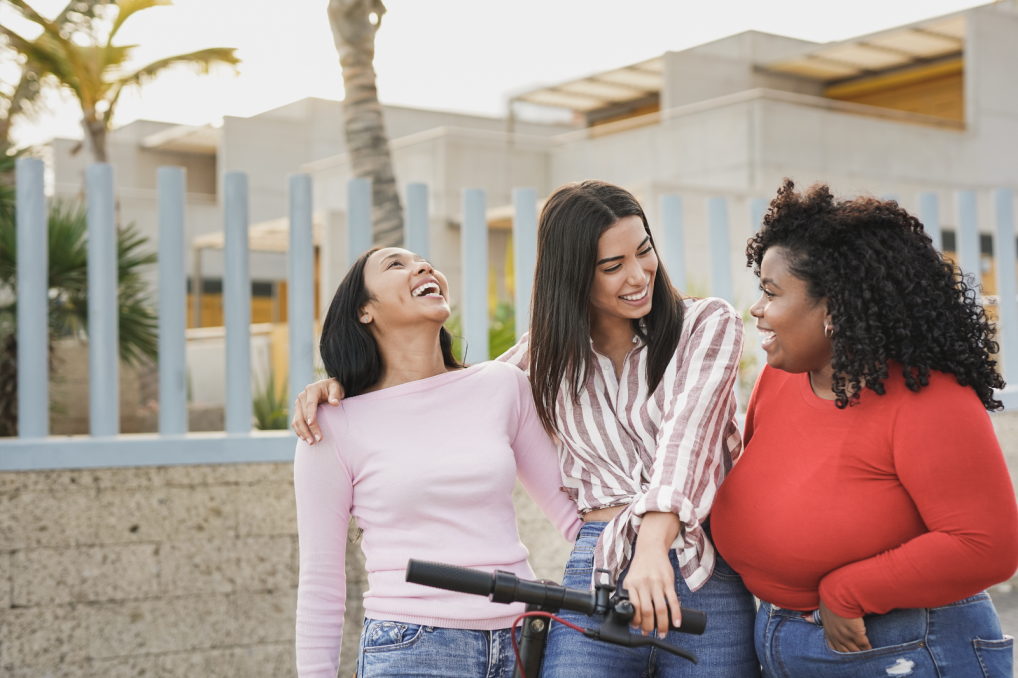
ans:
(757, 309)
(423, 267)
(637, 275)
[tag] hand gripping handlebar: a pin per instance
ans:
(505, 587)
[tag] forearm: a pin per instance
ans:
(658, 531)
(931, 570)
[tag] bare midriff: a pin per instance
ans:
(602, 515)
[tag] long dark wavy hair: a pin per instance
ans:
(349, 350)
(571, 224)
(890, 293)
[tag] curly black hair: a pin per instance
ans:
(890, 293)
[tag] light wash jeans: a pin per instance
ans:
(400, 650)
(960, 640)
(725, 650)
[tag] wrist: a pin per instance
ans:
(658, 530)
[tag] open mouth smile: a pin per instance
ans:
(636, 297)
(427, 289)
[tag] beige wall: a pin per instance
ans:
(165, 572)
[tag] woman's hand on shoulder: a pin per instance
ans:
(305, 408)
(844, 635)
(651, 577)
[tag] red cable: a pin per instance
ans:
(516, 648)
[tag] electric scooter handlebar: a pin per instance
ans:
(505, 587)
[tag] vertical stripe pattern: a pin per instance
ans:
(664, 451)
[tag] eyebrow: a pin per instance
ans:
(622, 256)
(397, 255)
(769, 281)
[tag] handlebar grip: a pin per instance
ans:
(450, 577)
(693, 621)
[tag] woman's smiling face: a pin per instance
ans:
(626, 269)
(790, 321)
(405, 290)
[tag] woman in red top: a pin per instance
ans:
(872, 506)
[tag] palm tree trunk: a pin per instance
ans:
(366, 139)
(95, 136)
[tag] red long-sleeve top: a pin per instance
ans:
(900, 501)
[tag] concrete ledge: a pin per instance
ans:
(81, 452)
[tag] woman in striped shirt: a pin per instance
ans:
(637, 383)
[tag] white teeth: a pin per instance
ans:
(636, 297)
(426, 289)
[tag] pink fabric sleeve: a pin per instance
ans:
(949, 461)
(537, 466)
(324, 493)
(519, 355)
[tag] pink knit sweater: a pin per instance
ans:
(428, 468)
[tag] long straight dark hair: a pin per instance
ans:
(349, 350)
(572, 222)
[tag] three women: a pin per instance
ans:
(845, 511)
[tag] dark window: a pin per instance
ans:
(950, 243)
(208, 285)
(986, 244)
(261, 288)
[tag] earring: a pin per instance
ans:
(365, 319)
(828, 332)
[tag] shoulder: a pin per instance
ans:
(710, 311)
(499, 376)
(943, 394)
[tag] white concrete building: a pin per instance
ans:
(931, 106)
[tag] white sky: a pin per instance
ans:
(459, 55)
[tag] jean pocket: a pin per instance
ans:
(996, 657)
(877, 651)
(580, 560)
(386, 636)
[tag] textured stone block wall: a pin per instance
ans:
(166, 572)
(178, 571)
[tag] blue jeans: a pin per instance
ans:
(725, 650)
(961, 640)
(397, 649)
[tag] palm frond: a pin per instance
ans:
(202, 59)
(129, 7)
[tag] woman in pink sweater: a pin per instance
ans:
(425, 453)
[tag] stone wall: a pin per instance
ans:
(165, 572)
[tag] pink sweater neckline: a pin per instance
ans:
(416, 386)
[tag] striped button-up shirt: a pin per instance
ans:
(664, 451)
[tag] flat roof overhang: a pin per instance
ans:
(901, 47)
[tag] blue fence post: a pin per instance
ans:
(237, 306)
(929, 214)
(103, 314)
(474, 250)
(415, 235)
(720, 256)
(33, 300)
(358, 218)
(172, 303)
(968, 236)
(301, 289)
(524, 254)
(1007, 287)
(674, 249)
